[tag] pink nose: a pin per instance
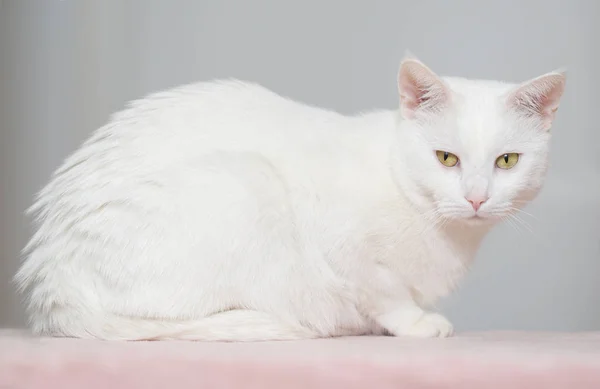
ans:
(476, 202)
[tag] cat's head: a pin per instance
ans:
(476, 150)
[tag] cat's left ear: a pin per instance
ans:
(539, 97)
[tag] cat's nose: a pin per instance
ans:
(476, 201)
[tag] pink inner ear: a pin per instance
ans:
(420, 88)
(540, 97)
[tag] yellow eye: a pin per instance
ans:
(507, 161)
(446, 158)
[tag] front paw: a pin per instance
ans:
(430, 325)
(411, 320)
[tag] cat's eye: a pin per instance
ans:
(446, 158)
(507, 161)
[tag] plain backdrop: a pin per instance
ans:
(65, 65)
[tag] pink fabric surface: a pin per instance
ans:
(507, 360)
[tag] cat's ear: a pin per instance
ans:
(539, 97)
(421, 90)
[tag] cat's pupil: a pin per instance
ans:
(506, 158)
(445, 155)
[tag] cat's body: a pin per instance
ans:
(222, 211)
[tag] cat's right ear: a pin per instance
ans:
(540, 97)
(421, 90)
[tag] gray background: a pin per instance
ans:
(66, 65)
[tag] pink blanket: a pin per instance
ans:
(478, 360)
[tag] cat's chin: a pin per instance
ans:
(480, 220)
(474, 220)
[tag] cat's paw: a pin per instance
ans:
(430, 325)
(411, 320)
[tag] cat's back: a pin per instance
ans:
(221, 113)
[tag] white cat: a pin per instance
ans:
(222, 211)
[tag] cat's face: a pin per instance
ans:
(478, 149)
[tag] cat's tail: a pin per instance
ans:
(228, 326)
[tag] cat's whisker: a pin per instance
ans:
(511, 223)
(540, 239)
(516, 223)
(521, 222)
(436, 223)
(510, 211)
(432, 213)
(524, 213)
(433, 218)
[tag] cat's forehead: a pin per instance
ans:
(478, 99)
(480, 123)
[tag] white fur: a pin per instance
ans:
(222, 211)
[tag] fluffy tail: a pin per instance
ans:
(229, 326)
